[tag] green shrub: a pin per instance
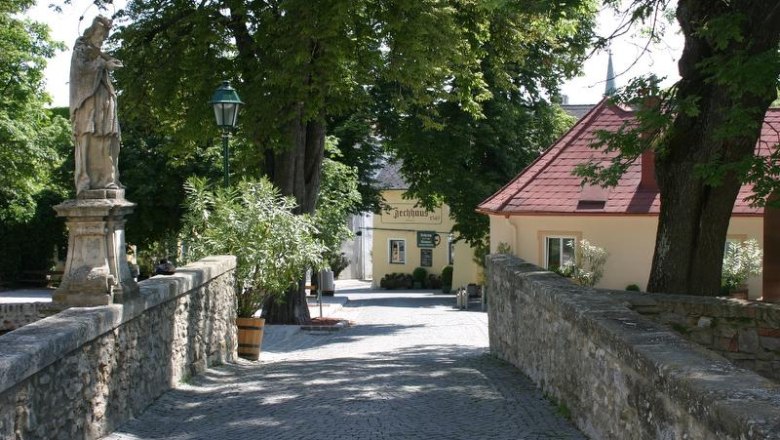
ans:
(433, 281)
(396, 281)
(446, 276)
(419, 274)
(338, 262)
(504, 248)
(254, 222)
(588, 266)
(633, 288)
(741, 261)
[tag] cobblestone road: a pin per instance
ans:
(411, 367)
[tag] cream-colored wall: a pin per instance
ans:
(630, 241)
(464, 269)
(388, 225)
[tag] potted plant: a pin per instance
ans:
(741, 261)
(273, 246)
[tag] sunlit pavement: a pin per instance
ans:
(410, 367)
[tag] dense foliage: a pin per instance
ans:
(301, 65)
(339, 197)
(741, 261)
(254, 222)
(460, 157)
(33, 142)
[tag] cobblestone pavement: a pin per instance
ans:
(410, 367)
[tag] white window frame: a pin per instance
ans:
(734, 238)
(390, 251)
(560, 239)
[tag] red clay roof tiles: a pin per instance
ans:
(548, 186)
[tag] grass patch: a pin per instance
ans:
(560, 408)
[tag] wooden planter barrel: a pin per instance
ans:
(250, 337)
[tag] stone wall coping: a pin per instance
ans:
(722, 393)
(31, 348)
(735, 306)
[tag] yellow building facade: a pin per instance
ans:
(406, 236)
(630, 241)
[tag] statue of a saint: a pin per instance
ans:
(93, 110)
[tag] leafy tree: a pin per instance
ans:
(458, 157)
(361, 149)
(29, 133)
(154, 175)
(473, 157)
(703, 132)
(296, 64)
(32, 140)
(339, 197)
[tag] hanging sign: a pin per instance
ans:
(428, 239)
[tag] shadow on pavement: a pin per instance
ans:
(277, 340)
(422, 392)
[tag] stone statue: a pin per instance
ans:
(93, 110)
(96, 270)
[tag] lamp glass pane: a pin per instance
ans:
(231, 114)
(218, 114)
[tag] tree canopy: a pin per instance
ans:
(299, 65)
(29, 134)
(33, 144)
(460, 157)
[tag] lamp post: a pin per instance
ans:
(226, 104)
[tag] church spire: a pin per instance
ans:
(610, 88)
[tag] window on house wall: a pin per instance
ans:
(450, 250)
(731, 242)
(397, 251)
(559, 251)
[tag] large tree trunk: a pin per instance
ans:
(293, 309)
(695, 212)
(296, 171)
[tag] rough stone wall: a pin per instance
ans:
(620, 375)
(13, 316)
(747, 333)
(81, 373)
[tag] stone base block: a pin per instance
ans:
(96, 270)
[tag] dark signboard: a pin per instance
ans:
(426, 257)
(428, 239)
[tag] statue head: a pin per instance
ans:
(98, 29)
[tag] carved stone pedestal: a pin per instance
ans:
(96, 269)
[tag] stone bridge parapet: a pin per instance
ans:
(621, 375)
(82, 372)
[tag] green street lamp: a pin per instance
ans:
(226, 104)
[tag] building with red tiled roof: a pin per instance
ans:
(544, 210)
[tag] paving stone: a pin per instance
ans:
(411, 367)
